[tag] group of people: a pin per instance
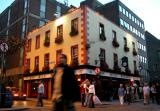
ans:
(88, 95)
(130, 93)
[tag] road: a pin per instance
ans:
(107, 106)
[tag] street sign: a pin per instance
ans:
(97, 70)
(4, 47)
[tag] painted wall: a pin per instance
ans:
(65, 46)
(95, 43)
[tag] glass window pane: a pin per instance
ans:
(120, 8)
(127, 13)
(130, 16)
(123, 11)
(121, 22)
(133, 18)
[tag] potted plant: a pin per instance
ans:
(46, 41)
(73, 31)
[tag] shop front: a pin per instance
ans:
(31, 83)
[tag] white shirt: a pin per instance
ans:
(41, 89)
(91, 89)
(146, 89)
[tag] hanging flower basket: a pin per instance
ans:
(58, 40)
(126, 48)
(46, 41)
(73, 32)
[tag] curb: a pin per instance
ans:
(13, 109)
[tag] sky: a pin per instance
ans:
(147, 10)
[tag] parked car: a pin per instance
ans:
(18, 95)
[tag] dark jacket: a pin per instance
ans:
(70, 88)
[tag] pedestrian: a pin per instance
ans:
(132, 93)
(91, 91)
(140, 91)
(83, 92)
(153, 93)
(146, 92)
(128, 94)
(158, 93)
(40, 94)
(121, 94)
(65, 87)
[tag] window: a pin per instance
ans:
(135, 20)
(130, 16)
(127, 13)
(139, 34)
(41, 23)
(58, 11)
(121, 22)
(28, 64)
(125, 41)
(144, 48)
(101, 29)
(60, 31)
(145, 60)
(74, 52)
(58, 52)
(123, 11)
(142, 26)
(42, 11)
(131, 28)
(133, 44)
(127, 26)
(114, 34)
(29, 45)
(74, 24)
(140, 45)
(120, 8)
(36, 65)
(37, 42)
(141, 58)
(47, 34)
(115, 59)
(102, 55)
(138, 22)
(46, 59)
(135, 65)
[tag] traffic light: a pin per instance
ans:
(124, 61)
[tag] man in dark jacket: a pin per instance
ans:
(65, 88)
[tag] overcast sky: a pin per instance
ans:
(147, 10)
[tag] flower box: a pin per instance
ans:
(74, 63)
(134, 52)
(73, 32)
(45, 69)
(46, 41)
(58, 40)
(27, 71)
(115, 43)
(36, 70)
(126, 49)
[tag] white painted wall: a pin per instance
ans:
(93, 39)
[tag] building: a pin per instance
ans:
(21, 17)
(93, 44)
(153, 53)
(121, 15)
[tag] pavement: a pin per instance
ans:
(30, 105)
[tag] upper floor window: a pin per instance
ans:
(120, 8)
(135, 65)
(124, 11)
(37, 45)
(114, 35)
(46, 59)
(74, 52)
(36, 65)
(102, 55)
(125, 41)
(102, 32)
(130, 16)
(29, 45)
(74, 24)
(127, 13)
(60, 31)
(131, 28)
(121, 22)
(115, 59)
(58, 53)
(28, 64)
(133, 44)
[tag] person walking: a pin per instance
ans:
(146, 92)
(128, 94)
(153, 93)
(91, 92)
(40, 94)
(65, 89)
(140, 91)
(121, 94)
(158, 93)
